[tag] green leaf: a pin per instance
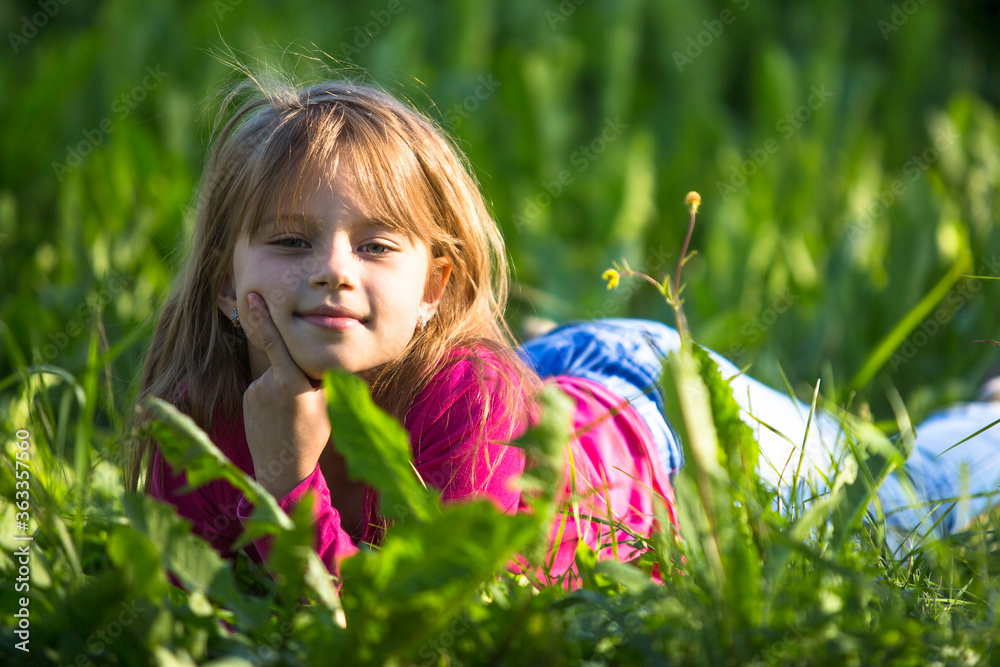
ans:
(376, 448)
(736, 439)
(427, 571)
(545, 446)
(191, 559)
(740, 532)
(135, 553)
(688, 405)
(877, 457)
(189, 448)
(186, 447)
(296, 565)
(630, 578)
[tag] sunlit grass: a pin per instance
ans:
(806, 269)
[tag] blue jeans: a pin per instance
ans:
(951, 484)
(626, 356)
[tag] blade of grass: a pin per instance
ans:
(966, 439)
(805, 439)
(884, 350)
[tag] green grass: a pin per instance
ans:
(742, 582)
(801, 273)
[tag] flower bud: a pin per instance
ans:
(693, 200)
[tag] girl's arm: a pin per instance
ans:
(287, 429)
(332, 541)
(285, 413)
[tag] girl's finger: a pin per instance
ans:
(284, 367)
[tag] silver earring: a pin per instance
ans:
(422, 321)
(235, 317)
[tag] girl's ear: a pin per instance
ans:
(227, 299)
(436, 281)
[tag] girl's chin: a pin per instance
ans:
(314, 369)
(315, 379)
(316, 373)
(315, 366)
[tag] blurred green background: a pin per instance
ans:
(848, 156)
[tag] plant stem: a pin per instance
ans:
(684, 249)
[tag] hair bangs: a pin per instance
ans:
(307, 148)
(392, 185)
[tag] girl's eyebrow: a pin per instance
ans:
(290, 217)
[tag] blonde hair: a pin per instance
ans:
(408, 174)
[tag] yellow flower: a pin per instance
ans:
(693, 200)
(612, 277)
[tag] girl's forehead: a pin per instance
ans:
(321, 193)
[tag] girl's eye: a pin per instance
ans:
(375, 248)
(290, 242)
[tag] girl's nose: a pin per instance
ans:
(335, 268)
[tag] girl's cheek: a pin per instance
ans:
(274, 297)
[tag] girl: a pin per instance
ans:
(338, 228)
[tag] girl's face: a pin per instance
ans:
(343, 291)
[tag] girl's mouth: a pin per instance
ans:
(331, 323)
(331, 318)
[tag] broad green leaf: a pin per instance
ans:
(735, 436)
(186, 447)
(297, 566)
(136, 554)
(739, 532)
(685, 392)
(427, 571)
(376, 448)
(190, 558)
(77, 625)
(629, 577)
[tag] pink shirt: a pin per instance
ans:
(612, 449)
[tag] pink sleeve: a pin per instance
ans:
(332, 542)
(617, 475)
(458, 451)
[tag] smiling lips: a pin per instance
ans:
(333, 319)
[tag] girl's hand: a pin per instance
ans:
(285, 416)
